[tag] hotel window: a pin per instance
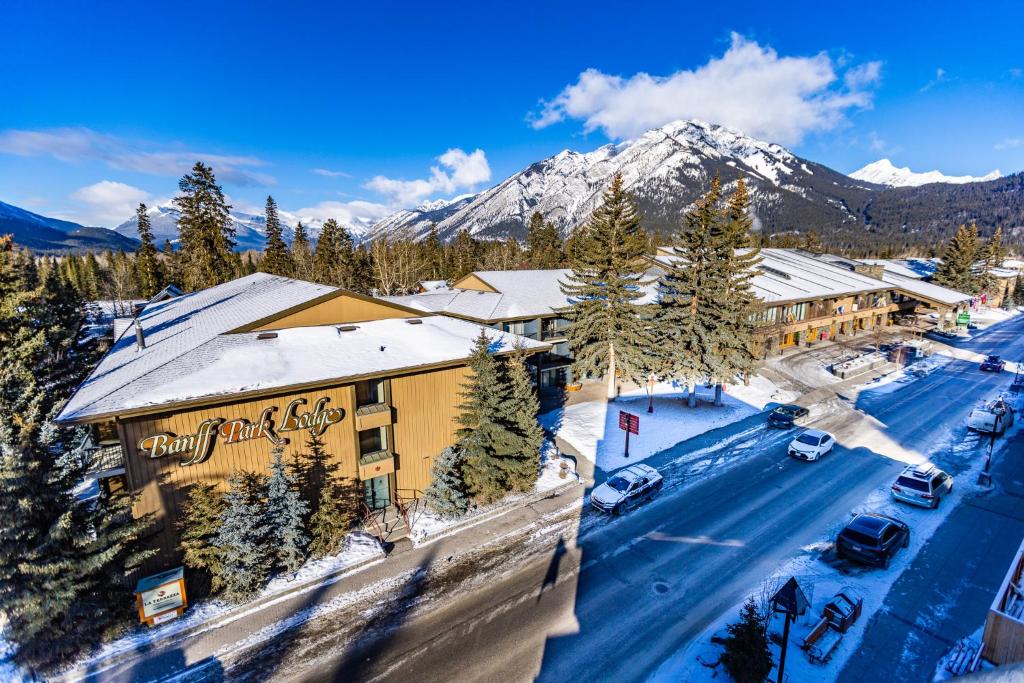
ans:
(516, 327)
(369, 392)
(372, 440)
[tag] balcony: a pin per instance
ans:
(554, 334)
(376, 463)
(101, 460)
(373, 415)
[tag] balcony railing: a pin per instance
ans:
(100, 460)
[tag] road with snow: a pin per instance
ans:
(609, 599)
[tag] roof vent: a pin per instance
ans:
(348, 328)
(413, 321)
(773, 271)
(266, 335)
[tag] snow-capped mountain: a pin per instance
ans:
(665, 169)
(418, 220)
(884, 172)
(250, 229)
(45, 234)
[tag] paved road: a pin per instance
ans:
(614, 601)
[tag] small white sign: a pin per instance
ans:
(166, 616)
(161, 599)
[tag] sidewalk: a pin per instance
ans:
(198, 646)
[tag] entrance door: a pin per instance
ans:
(377, 492)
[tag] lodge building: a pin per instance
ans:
(211, 382)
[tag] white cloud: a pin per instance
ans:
(940, 77)
(73, 145)
(327, 173)
(1010, 143)
(108, 203)
(358, 212)
(457, 171)
(750, 87)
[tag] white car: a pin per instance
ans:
(811, 445)
(925, 485)
(626, 488)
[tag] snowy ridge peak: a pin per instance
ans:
(884, 172)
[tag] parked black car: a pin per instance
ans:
(993, 364)
(784, 417)
(872, 539)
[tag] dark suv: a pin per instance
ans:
(993, 364)
(872, 539)
(784, 417)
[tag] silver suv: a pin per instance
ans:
(925, 485)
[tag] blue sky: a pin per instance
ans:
(353, 111)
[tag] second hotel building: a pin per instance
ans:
(211, 382)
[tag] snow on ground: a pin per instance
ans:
(895, 381)
(425, 524)
(821, 575)
(357, 549)
(592, 427)
(986, 315)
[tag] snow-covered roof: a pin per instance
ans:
(926, 290)
(519, 294)
(190, 356)
(793, 275)
(915, 268)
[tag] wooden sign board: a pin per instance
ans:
(628, 422)
(161, 597)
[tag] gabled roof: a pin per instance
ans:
(175, 328)
(518, 294)
(924, 290)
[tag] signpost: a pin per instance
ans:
(161, 597)
(790, 601)
(629, 423)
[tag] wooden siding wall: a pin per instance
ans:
(340, 309)
(425, 406)
(473, 282)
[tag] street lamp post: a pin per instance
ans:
(650, 393)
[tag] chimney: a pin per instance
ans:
(139, 338)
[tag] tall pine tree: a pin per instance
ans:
(198, 529)
(957, 268)
(302, 253)
(277, 260)
(205, 230)
(543, 244)
(523, 407)
(328, 254)
(446, 493)
(147, 266)
(606, 331)
(243, 539)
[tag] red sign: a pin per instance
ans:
(628, 422)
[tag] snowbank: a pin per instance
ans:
(895, 381)
(592, 427)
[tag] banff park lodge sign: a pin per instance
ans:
(197, 447)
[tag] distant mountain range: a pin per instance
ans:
(883, 172)
(665, 169)
(52, 235)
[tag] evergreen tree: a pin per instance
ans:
(543, 244)
(147, 267)
(171, 265)
(446, 494)
(812, 242)
(433, 255)
(205, 230)
(747, 657)
(277, 260)
(336, 514)
(90, 285)
(606, 332)
(198, 529)
(328, 254)
(243, 540)
(491, 449)
(991, 256)
(302, 253)
(957, 268)
(285, 514)
(523, 407)
(463, 255)
(64, 563)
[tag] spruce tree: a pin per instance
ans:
(147, 267)
(991, 256)
(302, 253)
(957, 268)
(491, 449)
(446, 494)
(328, 254)
(90, 285)
(464, 255)
(606, 332)
(433, 255)
(336, 514)
(277, 260)
(689, 316)
(543, 244)
(285, 514)
(243, 539)
(205, 230)
(747, 657)
(171, 265)
(523, 406)
(198, 529)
